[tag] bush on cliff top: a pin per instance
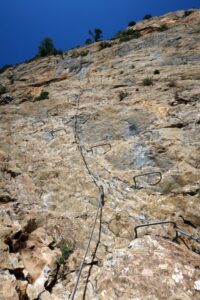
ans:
(47, 47)
(127, 35)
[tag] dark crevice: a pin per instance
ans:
(21, 296)
(54, 281)
(180, 100)
(119, 86)
(51, 285)
(17, 235)
(177, 125)
(13, 174)
(17, 242)
(18, 273)
(7, 198)
(52, 246)
(187, 222)
(31, 226)
(191, 193)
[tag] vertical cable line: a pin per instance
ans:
(77, 140)
(100, 199)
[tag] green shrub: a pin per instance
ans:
(127, 35)
(96, 35)
(132, 66)
(163, 27)
(132, 23)
(43, 95)
(66, 251)
(47, 47)
(187, 13)
(2, 89)
(74, 53)
(88, 41)
(147, 81)
(125, 39)
(84, 53)
(147, 17)
(104, 44)
(156, 72)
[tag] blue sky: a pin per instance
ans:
(24, 23)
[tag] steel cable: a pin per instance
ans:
(100, 204)
(100, 201)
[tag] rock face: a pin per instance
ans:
(149, 269)
(126, 118)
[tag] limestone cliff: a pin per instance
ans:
(121, 115)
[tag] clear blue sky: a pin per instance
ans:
(24, 23)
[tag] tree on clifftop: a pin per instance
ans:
(147, 17)
(47, 47)
(96, 35)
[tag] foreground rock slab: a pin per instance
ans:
(148, 269)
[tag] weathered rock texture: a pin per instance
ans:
(102, 125)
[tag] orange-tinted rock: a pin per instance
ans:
(126, 117)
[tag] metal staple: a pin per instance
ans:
(100, 145)
(176, 228)
(146, 174)
(152, 224)
(57, 130)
